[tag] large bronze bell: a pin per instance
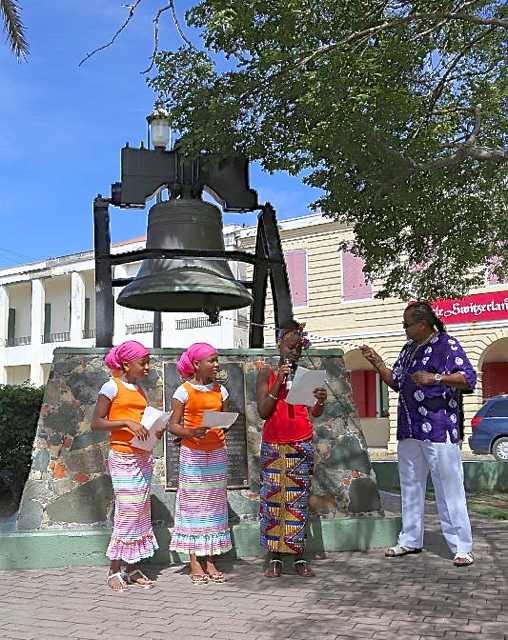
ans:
(185, 284)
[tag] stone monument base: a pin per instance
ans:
(86, 548)
(66, 511)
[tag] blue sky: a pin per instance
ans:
(63, 126)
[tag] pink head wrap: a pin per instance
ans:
(125, 352)
(197, 351)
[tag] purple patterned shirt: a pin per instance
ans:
(430, 412)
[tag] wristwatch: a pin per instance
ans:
(437, 378)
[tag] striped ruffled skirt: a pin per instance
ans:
(132, 538)
(284, 495)
(201, 510)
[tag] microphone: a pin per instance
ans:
(290, 375)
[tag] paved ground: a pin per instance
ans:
(354, 595)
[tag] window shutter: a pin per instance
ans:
(363, 384)
(296, 263)
(358, 386)
(354, 284)
(47, 319)
(11, 324)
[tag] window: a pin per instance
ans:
(492, 278)
(494, 379)
(296, 263)
(354, 284)
(498, 410)
(383, 398)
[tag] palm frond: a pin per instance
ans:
(14, 28)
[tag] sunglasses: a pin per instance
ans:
(406, 325)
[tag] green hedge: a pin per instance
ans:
(19, 413)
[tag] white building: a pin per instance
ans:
(51, 303)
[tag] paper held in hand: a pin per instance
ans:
(304, 383)
(154, 420)
(218, 419)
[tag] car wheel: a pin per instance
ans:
(500, 449)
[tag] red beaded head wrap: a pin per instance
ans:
(297, 329)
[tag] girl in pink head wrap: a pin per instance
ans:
(119, 410)
(201, 513)
(197, 351)
(125, 352)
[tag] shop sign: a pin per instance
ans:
(479, 307)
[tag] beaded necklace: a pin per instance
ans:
(421, 344)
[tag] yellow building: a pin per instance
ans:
(330, 294)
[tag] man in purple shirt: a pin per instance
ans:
(431, 367)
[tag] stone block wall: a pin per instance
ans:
(69, 485)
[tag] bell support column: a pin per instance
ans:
(104, 302)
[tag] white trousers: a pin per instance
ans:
(444, 461)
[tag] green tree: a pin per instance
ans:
(13, 27)
(397, 110)
(19, 412)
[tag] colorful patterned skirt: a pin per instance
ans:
(201, 510)
(284, 495)
(132, 538)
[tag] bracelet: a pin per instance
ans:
(272, 396)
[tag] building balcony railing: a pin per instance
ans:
(61, 336)
(18, 342)
(145, 327)
(88, 333)
(195, 323)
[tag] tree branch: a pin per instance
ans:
(467, 149)
(438, 89)
(132, 8)
(403, 20)
(170, 6)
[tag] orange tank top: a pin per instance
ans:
(197, 403)
(126, 405)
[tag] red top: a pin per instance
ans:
(288, 422)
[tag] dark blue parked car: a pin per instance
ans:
(490, 428)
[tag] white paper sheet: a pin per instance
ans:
(218, 419)
(154, 420)
(304, 383)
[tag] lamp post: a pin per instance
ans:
(159, 135)
(159, 131)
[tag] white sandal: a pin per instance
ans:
(463, 559)
(119, 576)
(128, 577)
(400, 550)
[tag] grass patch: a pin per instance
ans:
(489, 503)
(493, 504)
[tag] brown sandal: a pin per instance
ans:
(303, 570)
(274, 570)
